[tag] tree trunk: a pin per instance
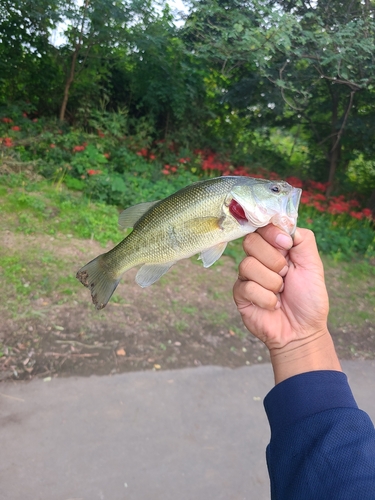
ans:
(68, 84)
(371, 202)
(70, 78)
(334, 147)
(333, 162)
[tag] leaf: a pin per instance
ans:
(118, 185)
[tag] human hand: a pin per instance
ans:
(283, 300)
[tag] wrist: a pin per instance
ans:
(316, 352)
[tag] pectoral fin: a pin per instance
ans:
(131, 215)
(149, 273)
(212, 254)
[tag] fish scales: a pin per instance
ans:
(196, 219)
(153, 238)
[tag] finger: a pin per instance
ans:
(251, 269)
(305, 251)
(255, 245)
(276, 237)
(246, 293)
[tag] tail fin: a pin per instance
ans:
(101, 285)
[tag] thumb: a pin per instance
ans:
(304, 252)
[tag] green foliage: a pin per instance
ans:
(339, 236)
(361, 174)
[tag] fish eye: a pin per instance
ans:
(275, 189)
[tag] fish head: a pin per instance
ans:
(264, 202)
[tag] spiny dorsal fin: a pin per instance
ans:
(131, 215)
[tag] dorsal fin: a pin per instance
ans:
(131, 215)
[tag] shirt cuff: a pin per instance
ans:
(306, 394)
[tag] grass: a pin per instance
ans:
(351, 288)
(40, 208)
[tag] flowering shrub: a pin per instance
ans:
(112, 166)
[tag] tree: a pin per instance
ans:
(26, 58)
(96, 24)
(320, 57)
(327, 72)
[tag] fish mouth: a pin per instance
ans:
(292, 208)
(295, 198)
(285, 217)
(237, 211)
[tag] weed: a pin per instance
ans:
(189, 310)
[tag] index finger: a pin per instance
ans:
(265, 249)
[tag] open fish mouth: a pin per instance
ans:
(292, 207)
(295, 198)
(285, 217)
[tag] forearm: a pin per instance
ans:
(322, 445)
(316, 352)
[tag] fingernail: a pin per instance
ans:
(278, 305)
(284, 241)
(283, 271)
(282, 288)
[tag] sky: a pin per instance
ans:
(58, 39)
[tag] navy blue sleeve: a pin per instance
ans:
(322, 446)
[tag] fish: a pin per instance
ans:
(200, 218)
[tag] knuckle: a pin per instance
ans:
(278, 284)
(249, 241)
(279, 263)
(245, 266)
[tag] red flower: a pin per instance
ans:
(319, 186)
(7, 120)
(184, 160)
(142, 152)
(318, 206)
(357, 215)
(257, 176)
(78, 148)
(165, 171)
(338, 206)
(367, 212)
(8, 142)
(173, 169)
(319, 197)
(35, 120)
(354, 203)
(107, 155)
(16, 128)
(100, 133)
(152, 157)
(273, 176)
(52, 146)
(305, 198)
(94, 172)
(294, 181)
(24, 115)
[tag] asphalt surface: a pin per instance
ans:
(188, 434)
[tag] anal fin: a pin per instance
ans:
(149, 273)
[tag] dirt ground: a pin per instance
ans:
(188, 318)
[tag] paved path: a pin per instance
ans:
(193, 434)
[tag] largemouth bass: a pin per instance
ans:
(200, 218)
